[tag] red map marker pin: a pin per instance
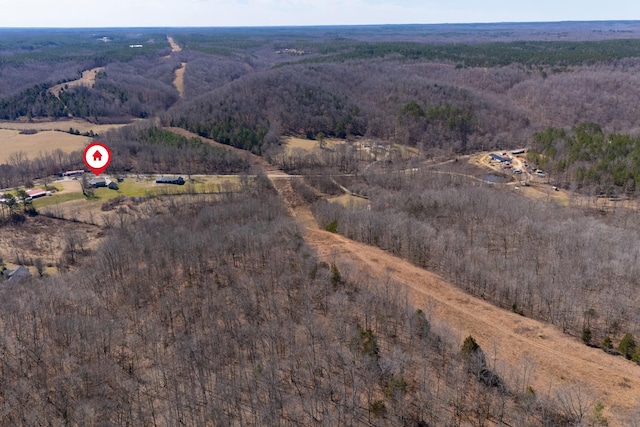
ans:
(97, 157)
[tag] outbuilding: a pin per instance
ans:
(17, 274)
(34, 194)
(497, 157)
(170, 180)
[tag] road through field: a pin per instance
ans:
(539, 354)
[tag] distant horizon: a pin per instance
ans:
(320, 25)
(305, 13)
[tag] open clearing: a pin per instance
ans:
(349, 200)
(293, 142)
(88, 79)
(11, 141)
(552, 359)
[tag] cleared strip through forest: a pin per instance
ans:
(556, 360)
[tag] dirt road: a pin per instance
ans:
(174, 46)
(88, 79)
(178, 81)
(539, 355)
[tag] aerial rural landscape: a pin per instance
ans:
(381, 225)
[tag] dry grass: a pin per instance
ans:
(349, 200)
(11, 141)
(42, 237)
(293, 142)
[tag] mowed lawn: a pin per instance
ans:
(11, 141)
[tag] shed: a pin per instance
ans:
(97, 182)
(34, 194)
(170, 180)
(17, 274)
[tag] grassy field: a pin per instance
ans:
(11, 141)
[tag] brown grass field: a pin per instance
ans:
(11, 141)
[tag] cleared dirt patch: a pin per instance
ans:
(11, 141)
(88, 79)
(178, 81)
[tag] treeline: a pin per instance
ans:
(545, 53)
(245, 328)
(565, 267)
(587, 158)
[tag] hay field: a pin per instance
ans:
(11, 141)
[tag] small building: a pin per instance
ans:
(518, 151)
(103, 182)
(97, 182)
(34, 194)
(17, 274)
(170, 180)
(494, 156)
(73, 173)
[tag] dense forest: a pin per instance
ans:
(245, 327)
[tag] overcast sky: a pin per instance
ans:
(146, 13)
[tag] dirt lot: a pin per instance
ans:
(532, 353)
(11, 141)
